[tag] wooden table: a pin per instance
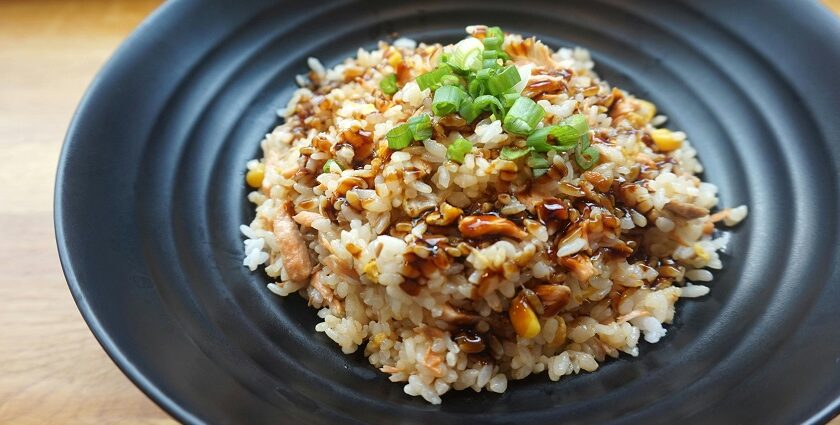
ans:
(52, 370)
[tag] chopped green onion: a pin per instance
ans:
(447, 100)
(495, 32)
(450, 80)
(503, 81)
(508, 99)
(512, 154)
(420, 127)
(578, 122)
(490, 63)
(490, 54)
(492, 43)
(458, 149)
(483, 74)
(466, 111)
(538, 140)
(389, 84)
(536, 160)
(538, 172)
(476, 88)
(523, 117)
(586, 157)
(487, 102)
(565, 136)
(329, 164)
(432, 78)
(494, 38)
(467, 54)
(399, 137)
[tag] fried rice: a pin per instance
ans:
(455, 274)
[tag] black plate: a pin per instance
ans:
(150, 194)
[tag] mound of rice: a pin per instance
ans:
(455, 275)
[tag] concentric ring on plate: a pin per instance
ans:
(180, 122)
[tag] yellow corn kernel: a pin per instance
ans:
(523, 318)
(371, 270)
(664, 139)
(378, 338)
(701, 253)
(395, 59)
(646, 110)
(254, 178)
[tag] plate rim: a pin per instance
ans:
(91, 318)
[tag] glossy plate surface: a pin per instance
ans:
(150, 194)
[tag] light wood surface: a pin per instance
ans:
(52, 370)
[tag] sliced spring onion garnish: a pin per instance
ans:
(432, 78)
(578, 121)
(490, 63)
(523, 117)
(458, 149)
(476, 88)
(508, 99)
(503, 81)
(447, 100)
(389, 84)
(466, 111)
(483, 74)
(587, 157)
(489, 103)
(494, 38)
(466, 55)
(450, 80)
(538, 172)
(332, 163)
(537, 160)
(420, 126)
(565, 138)
(512, 154)
(399, 137)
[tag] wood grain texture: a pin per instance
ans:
(52, 370)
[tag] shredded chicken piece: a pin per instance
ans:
(686, 210)
(306, 218)
(295, 254)
(326, 293)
